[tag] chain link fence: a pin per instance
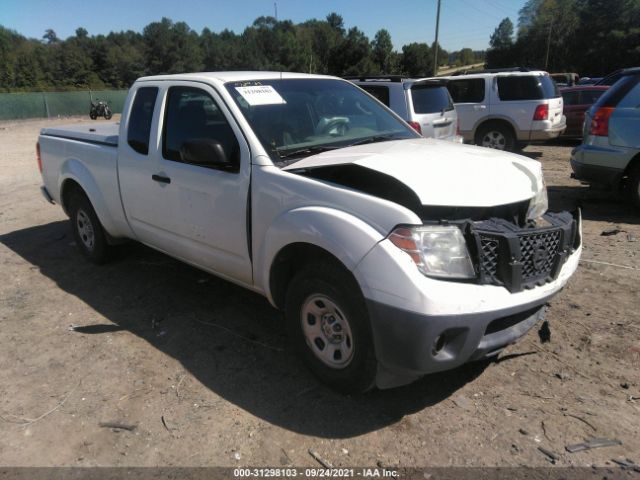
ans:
(56, 104)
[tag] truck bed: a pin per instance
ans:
(98, 133)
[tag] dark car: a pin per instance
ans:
(577, 101)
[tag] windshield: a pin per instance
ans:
(294, 118)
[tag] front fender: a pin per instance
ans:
(343, 235)
(73, 169)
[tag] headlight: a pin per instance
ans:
(539, 204)
(438, 251)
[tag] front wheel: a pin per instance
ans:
(87, 230)
(497, 136)
(327, 322)
(108, 113)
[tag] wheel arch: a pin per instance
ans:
(309, 234)
(495, 120)
(290, 260)
(75, 177)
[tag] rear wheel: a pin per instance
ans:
(328, 324)
(497, 136)
(87, 230)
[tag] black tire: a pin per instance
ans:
(93, 116)
(496, 135)
(633, 186)
(108, 113)
(337, 286)
(87, 230)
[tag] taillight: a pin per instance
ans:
(600, 122)
(416, 126)
(38, 157)
(542, 112)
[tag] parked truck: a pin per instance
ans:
(391, 255)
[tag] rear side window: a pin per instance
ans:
(467, 91)
(526, 87)
(140, 119)
(378, 91)
(632, 98)
(430, 99)
(617, 92)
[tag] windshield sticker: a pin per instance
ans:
(260, 95)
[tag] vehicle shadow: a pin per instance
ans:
(595, 204)
(230, 339)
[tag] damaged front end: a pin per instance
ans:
(519, 258)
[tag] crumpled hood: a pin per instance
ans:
(441, 172)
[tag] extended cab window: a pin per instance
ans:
(140, 119)
(469, 90)
(192, 115)
(380, 92)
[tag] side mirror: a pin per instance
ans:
(205, 152)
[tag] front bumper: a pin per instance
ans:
(47, 196)
(423, 325)
(410, 345)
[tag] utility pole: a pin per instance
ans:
(435, 53)
(546, 58)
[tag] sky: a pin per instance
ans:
(463, 23)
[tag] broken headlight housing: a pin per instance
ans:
(438, 250)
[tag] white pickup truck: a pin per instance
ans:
(392, 255)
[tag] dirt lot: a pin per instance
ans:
(202, 369)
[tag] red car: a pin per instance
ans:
(577, 101)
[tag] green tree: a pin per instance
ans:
(383, 51)
(502, 37)
(171, 48)
(50, 36)
(352, 56)
(417, 60)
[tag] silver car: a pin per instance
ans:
(425, 104)
(610, 151)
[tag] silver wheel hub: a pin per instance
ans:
(326, 331)
(494, 139)
(85, 229)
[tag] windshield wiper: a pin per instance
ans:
(308, 150)
(374, 139)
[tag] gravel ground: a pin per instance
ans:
(201, 371)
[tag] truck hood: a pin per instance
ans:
(442, 173)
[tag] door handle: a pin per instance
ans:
(479, 107)
(160, 178)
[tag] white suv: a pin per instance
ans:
(508, 108)
(424, 104)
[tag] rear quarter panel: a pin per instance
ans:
(94, 168)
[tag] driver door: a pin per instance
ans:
(201, 211)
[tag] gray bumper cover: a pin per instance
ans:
(409, 345)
